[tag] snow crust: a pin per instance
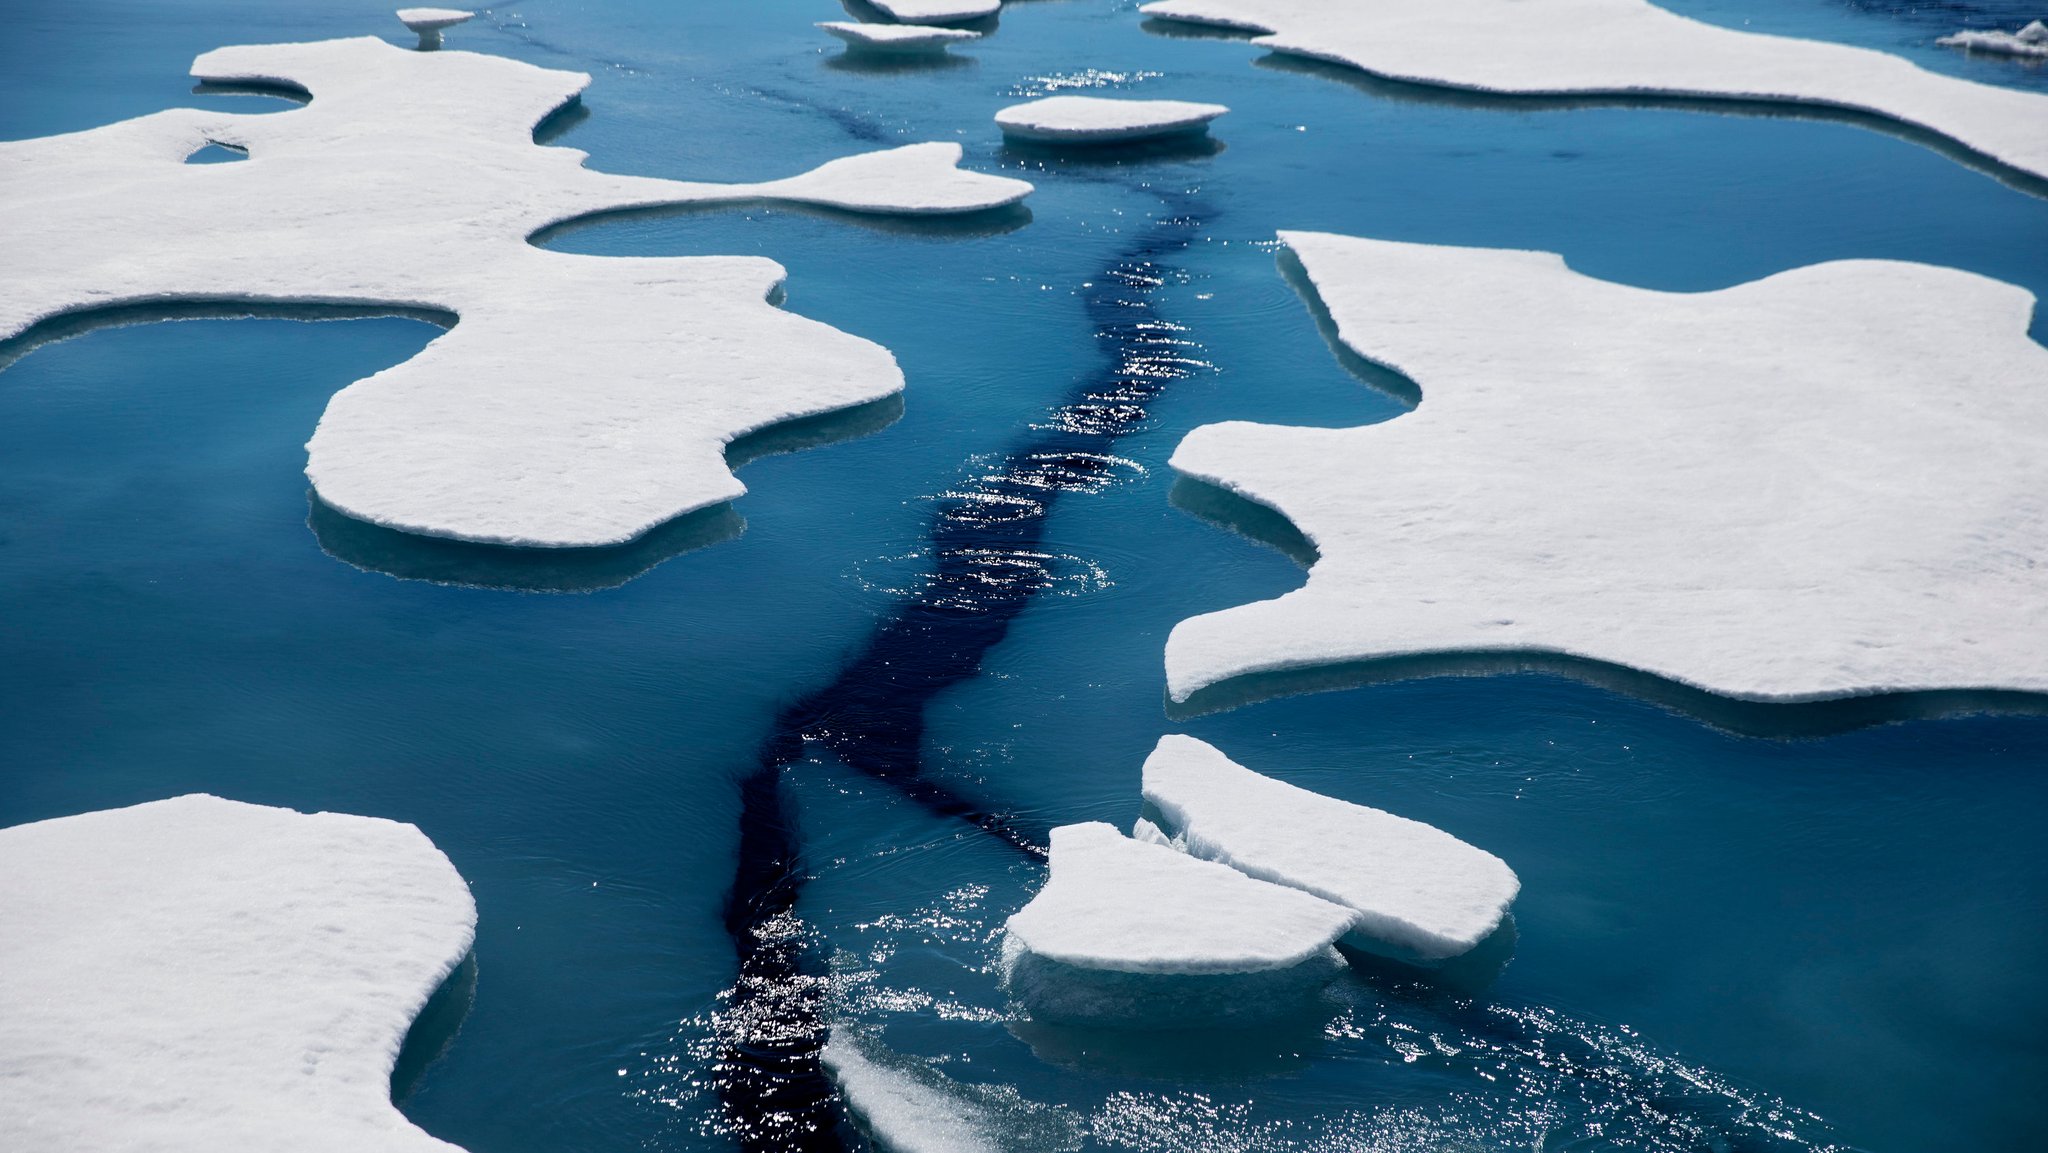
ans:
(580, 401)
(200, 974)
(2031, 41)
(1097, 118)
(897, 37)
(432, 19)
(1628, 48)
(938, 11)
(1829, 482)
(1418, 892)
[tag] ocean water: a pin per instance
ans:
(926, 645)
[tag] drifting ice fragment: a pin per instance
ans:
(204, 975)
(429, 22)
(938, 11)
(2031, 41)
(897, 38)
(907, 1106)
(1100, 120)
(1420, 894)
(1128, 933)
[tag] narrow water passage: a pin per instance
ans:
(988, 563)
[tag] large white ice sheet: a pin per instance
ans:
(203, 975)
(1420, 893)
(1629, 47)
(1829, 482)
(580, 400)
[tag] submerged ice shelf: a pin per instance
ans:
(1100, 120)
(1629, 48)
(1825, 483)
(200, 974)
(412, 180)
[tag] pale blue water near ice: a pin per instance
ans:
(1724, 941)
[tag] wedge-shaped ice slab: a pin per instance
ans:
(897, 37)
(1829, 482)
(1130, 933)
(1628, 48)
(579, 400)
(1419, 893)
(907, 1106)
(204, 975)
(1100, 120)
(938, 11)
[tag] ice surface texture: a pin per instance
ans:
(1085, 119)
(580, 401)
(1832, 481)
(1419, 893)
(897, 37)
(204, 975)
(1126, 932)
(1629, 48)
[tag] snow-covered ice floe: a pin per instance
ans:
(2031, 41)
(892, 38)
(431, 22)
(579, 401)
(1629, 48)
(1130, 933)
(907, 1106)
(1419, 894)
(1102, 120)
(1829, 482)
(200, 974)
(938, 11)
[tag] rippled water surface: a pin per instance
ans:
(864, 693)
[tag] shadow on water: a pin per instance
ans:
(70, 324)
(988, 564)
(1370, 373)
(876, 62)
(1189, 30)
(957, 226)
(561, 121)
(434, 1030)
(1209, 1055)
(273, 89)
(1195, 144)
(1442, 95)
(1261, 524)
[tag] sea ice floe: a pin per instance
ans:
(579, 401)
(897, 37)
(938, 11)
(200, 974)
(907, 1106)
(1419, 893)
(1098, 120)
(1829, 482)
(2031, 41)
(431, 22)
(1130, 933)
(1629, 48)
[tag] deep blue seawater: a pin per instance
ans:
(1724, 941)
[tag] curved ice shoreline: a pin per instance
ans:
(1629, 48)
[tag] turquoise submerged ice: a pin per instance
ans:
(1731, 929)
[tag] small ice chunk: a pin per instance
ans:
(1420, 893)
(198, 975)
(897, 38)
(2031, 41)
(1126, 932)
(2034, 33)
(1101, 120)
(938, 11)
(429, 22)
(907, 1106)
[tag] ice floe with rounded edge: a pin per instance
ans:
(1629, 48)
(897, 37)
(1829, 482)
(907, 1106)
(1102, 120)
(1130, 933)
(2031, 41)
(200, 974)
(579, 401)
(431, 22)
(1419, 893)
(938, 11)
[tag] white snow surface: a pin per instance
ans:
(938, 11)
(1832, 481)
(1419, 893)
(580, 401)
(1113, 903)
(200, 974)
(432, 19)
(1098, 118)
(897, 37)
(1628, 48)
(2031, 41)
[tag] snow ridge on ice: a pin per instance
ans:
(580, 400)
(1628, 48)
(1829, 482)
(200, 974)
(1098, 119)
(1419, 893)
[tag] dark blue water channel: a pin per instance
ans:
(900, 658)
